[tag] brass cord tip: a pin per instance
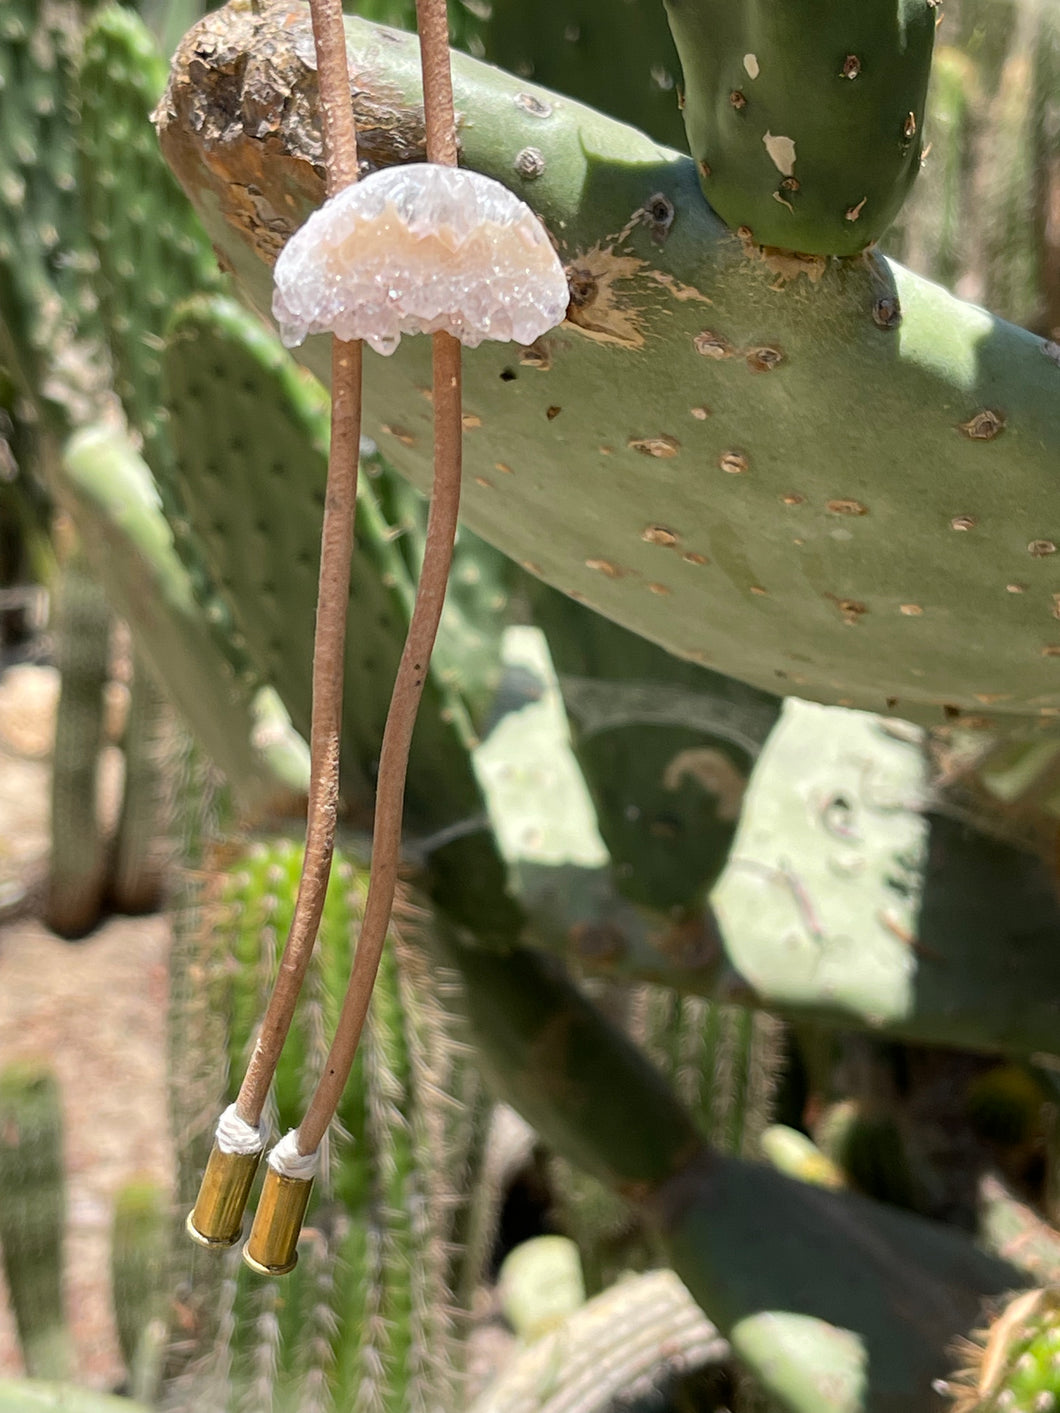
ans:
(216, 1220)
(272, 1247)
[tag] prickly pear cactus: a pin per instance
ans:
(150, 248)
(262, 549)
(1016, 1368)
(366, 1314)
(857, 472)
(44, 259)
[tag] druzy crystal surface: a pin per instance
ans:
(415, 249)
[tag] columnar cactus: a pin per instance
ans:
(367, 1313)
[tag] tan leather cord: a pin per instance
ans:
(423, 628)
(336, 552)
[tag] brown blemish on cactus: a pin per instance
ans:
(663, 445)
(552, 412)
(1051, 650)
(470, 420)
(984, 426)
(537, 355)
(734, 463)
(847, 507)
(1038, 549)
(1015, 588)
(708, 344)
(853, 212)
(534, 106)
(792, 498)
(785, 264)
(763, 359)
(530, 163)
(851, 67)
(604, 566)
(887, 312)
(680, 292)
(700, 413)
(911, 610)
(484, 483)
(659, 535)
(400, 434)
(783, 201)
(661, 589)
(851, 610)
(909, 127)
(759, 592)
(790, 184)
(503, 466)
(963, 522)
(737, 100)
(596, 308)
(693, 557)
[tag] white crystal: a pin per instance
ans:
(415, 249)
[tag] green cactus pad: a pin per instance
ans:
(223, 371)
(149, 244)
(623, 62)
(44, 261)
(848, 895)
(665, 747)
(806, 122)
(247, 425)
(107, 488)
(858, 473)
(835, 1303)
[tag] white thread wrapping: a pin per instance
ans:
(288, 1162)
(235, 1135)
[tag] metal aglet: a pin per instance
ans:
(216, 1220)
(272, 1247)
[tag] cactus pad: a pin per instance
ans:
(806, 122)
(855, 472)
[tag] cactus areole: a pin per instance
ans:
(805, 121)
